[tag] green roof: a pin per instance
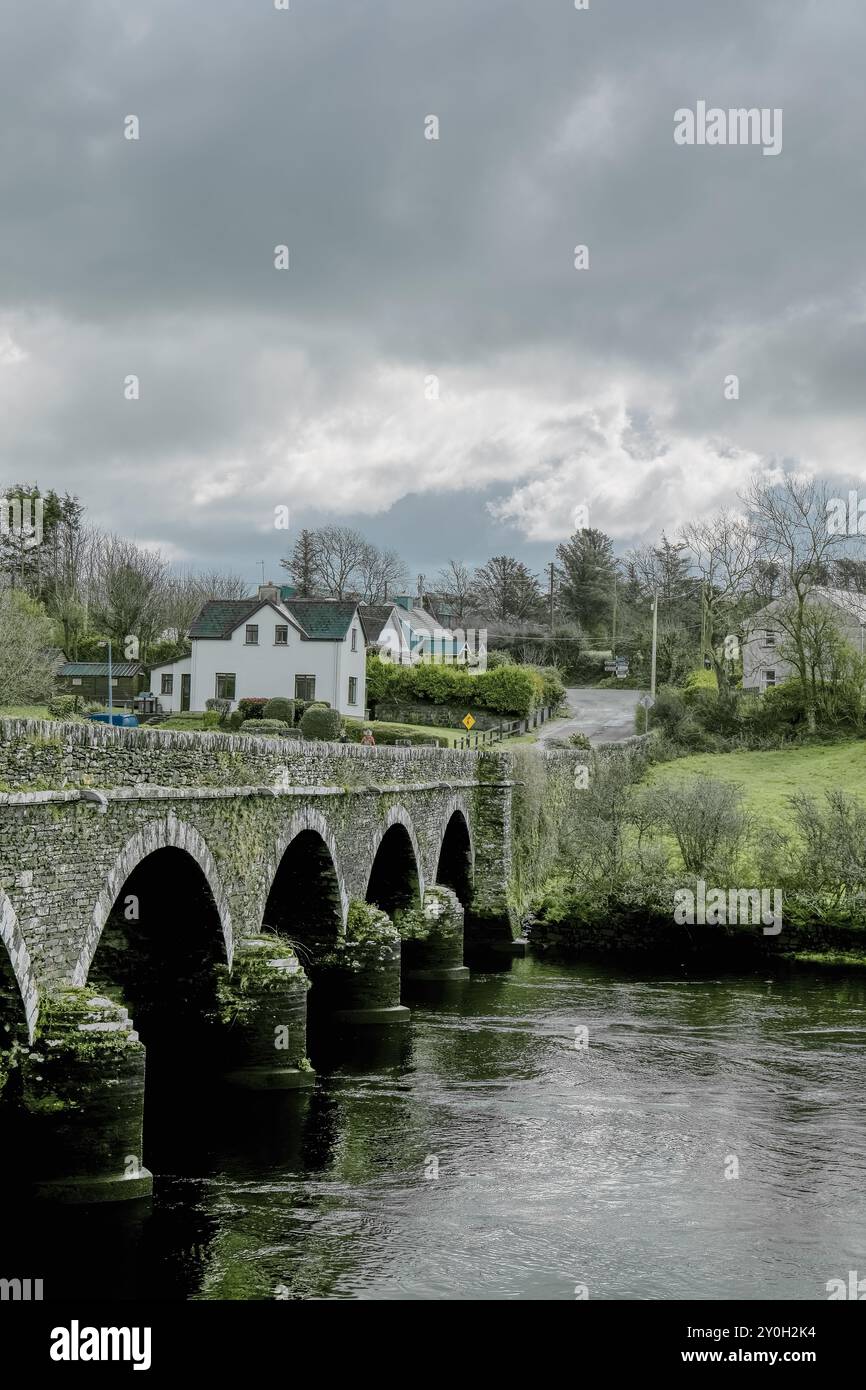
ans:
(320, 619)
(100, 668)
(220, 616)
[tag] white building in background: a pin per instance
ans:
(763, 664)
(272, 644)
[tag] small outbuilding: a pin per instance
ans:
(89, 679)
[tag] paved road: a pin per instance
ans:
(605, 716)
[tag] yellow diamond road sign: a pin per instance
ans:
(468, 721)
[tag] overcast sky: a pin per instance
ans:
(412, 257)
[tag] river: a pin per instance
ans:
(559, 1166)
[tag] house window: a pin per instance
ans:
(225, 686)
(353, 690)
(769, 638)
(281, 635)
(354, 639)
(769, 679)
(76, 680)
(305, 687)
(252, 638)
(167, 685)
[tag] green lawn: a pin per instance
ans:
(23, 711)
(768, 779)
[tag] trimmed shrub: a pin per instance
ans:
(264, 726)
(509, 690)
(321, 723)
(236, 719)
(252, 706)
(280, 708)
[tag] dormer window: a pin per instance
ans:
(252, 635)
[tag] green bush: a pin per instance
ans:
(236, 719)
(697, 682)
(554, 689)
(509, 690)
(61, 706)
(280, 708)
(252, 706)
(211, 719)
(264, 726)
(221, 707)
(321, 723)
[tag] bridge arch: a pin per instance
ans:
(305, 894)
(20, 970)
(170, 833)
(455, 858)
(396, 874)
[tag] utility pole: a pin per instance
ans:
(552, 568)
(613, 633)
(655, 642)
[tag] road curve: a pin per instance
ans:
(605, 716)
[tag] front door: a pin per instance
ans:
(184, 691)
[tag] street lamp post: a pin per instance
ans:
(107, 644)
(655, 643)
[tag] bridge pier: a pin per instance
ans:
(263, 1008)
(432, 938)
(357, 982)
(82, 1095)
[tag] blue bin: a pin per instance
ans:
(123, 721)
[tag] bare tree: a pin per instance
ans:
(789, 521)
(186, 592)
(130, 588)
(380, 574)
(455, 584)
(724, 550)
(339, 555)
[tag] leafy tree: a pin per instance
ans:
(589, 569)
(506, 588)
(302, 565)
(27, 660)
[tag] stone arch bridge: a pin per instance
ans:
(129, 856)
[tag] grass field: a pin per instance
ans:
(23, 711)
(768, 779)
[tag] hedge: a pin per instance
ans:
(264, 726)
(252, 706)
(319, 722)
(280, 708)
(508, 689)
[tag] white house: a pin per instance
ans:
(407, 633)
(269, 645)
(763, 664)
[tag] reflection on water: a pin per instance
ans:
(557, 1165)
